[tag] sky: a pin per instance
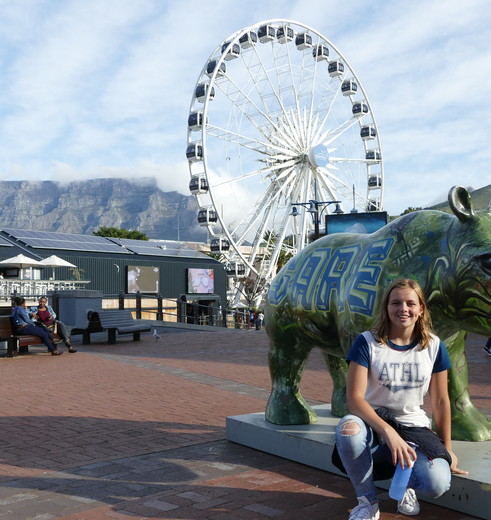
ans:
(102, 88)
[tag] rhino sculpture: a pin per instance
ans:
(330, 292)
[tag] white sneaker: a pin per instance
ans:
(364, 510)
(409, 504)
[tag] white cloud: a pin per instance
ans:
(103, 87)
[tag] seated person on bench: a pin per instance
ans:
(24, 326)
(45, 314)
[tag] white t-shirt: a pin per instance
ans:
(399, 377)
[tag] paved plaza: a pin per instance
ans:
(137, 430)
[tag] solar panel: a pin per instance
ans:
(160, 248)
(5, 243)
(92, 243)
(66, 241)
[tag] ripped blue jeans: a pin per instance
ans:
(359, 448)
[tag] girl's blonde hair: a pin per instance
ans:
(423, 327)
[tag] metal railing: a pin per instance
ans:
(33, 288)
(156, 307)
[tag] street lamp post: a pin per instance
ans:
(316, 209)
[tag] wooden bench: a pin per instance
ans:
(16, 341)
(112, 321)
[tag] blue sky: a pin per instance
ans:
(102, 88)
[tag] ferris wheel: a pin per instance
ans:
(279, 122)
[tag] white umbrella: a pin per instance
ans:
(55, 261)
(21, 261)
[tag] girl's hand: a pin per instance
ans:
(401, 451)
(453, 468)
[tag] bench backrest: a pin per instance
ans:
(111, 318)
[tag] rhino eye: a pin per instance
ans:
(485, 261)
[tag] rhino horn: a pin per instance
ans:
(460, 203)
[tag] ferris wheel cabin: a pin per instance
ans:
(320, 53)
(374, 181)
(195, 120)
(373, 155)
(198, 185)
(303, 41)
(373, 205)
(219, 244)
(212, 65)
(266, 33)
(194, 152)
(335, 68)
(248, 39)
(285, 34)
(201, 91)
(207, 216)
(233, 52)
(349, 87)
(235, 269)
(368, 132)
(359, 108)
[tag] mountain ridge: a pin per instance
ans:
(85, 206)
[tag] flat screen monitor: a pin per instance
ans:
(356, 222)
(142, 278)
(201, 281)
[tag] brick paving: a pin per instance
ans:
(137, 430)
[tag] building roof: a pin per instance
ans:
(39, 240)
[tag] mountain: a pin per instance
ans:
(85, 206)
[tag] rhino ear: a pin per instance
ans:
(460, 203)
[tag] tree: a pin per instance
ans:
(410, 210)
(286, 251)
(77, 273)
(252, 289)
(119, 233)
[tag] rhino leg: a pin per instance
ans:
(286, 404)
(468, 423)
(338, 369)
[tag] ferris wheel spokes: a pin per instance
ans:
(243, 140)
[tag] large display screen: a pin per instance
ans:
(142, 278)
(356, 222)
(201, 281)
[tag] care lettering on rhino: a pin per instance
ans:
(329, 293)
(363, 290)
(322, 275)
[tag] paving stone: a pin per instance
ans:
(140, 433)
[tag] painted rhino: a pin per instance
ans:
(329, 293)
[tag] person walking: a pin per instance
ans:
(259, 321)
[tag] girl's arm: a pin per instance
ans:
(22, 314)
(441, 412)
(357, 405)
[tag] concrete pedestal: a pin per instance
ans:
(312, 444)
(75, 304)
